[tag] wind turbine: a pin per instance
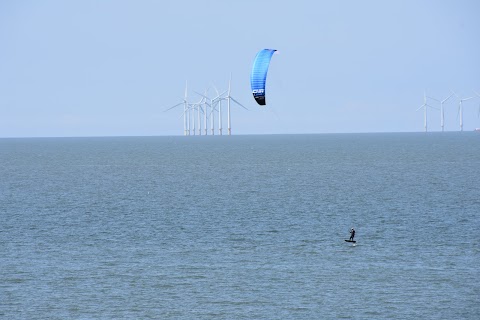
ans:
(460, 109)
(216, 101)
(442, 114)
(212, 117)
(189, 118)
(185, 108)
(205, 115)
(228, 98)
(200, 109)
(220, 116)
(424, 106)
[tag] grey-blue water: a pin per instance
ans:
(241, 227)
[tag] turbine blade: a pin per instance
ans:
(215, 87)
(178, 104)
(182, 114)
(200, 94)
(444, 100)
(422, 106)
(219, 98)
(241, 105)
(212, 111)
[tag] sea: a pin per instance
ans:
(241, 227)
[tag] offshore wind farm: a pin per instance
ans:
(204, 117)
(201, 114)
(459, 103)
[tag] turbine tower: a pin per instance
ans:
(195, 107)
(212, 118)
(442, 113)
(424, 106)
(191, 123)
(205, 115)
(200, 109)
(228, 98)
(189, 118)
(220, 116)
(460, 109)
(216, 101)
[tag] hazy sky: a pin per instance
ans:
(110, 68)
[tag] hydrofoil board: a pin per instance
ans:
(352, 241)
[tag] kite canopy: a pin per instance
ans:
(259, 74)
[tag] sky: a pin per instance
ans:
(112, 67)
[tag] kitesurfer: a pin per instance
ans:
(352, 234)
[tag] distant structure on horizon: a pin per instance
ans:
(209, 108)
(425, 105)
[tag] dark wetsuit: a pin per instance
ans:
(352, 234)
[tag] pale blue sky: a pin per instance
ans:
(111, 68)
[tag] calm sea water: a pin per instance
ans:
(241, 227)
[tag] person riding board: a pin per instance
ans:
(352, 234)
